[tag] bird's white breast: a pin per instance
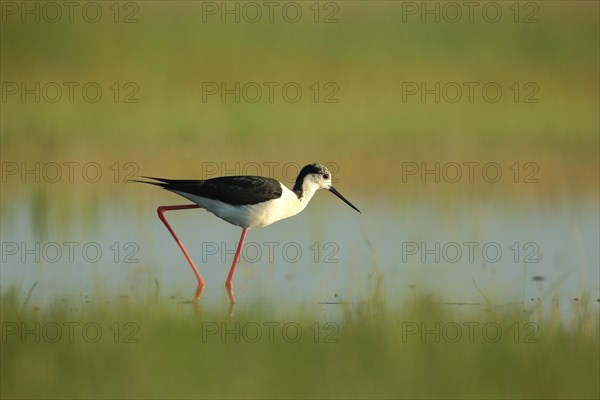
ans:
(255, 215)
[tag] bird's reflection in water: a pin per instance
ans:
(200, 290)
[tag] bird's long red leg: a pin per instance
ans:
(229, 281)
(161, 210)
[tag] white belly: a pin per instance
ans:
(252, 216)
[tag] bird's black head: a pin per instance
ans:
(315, 177)
(314, 172)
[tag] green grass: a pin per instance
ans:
(170, 53)
(175, 351)
(369, 54)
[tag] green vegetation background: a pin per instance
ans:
(368, 54)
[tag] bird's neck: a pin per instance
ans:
(304, 190)
(297, 189)
(295, 200)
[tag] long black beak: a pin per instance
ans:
(338, 194)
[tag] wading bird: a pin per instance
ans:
(245, 201)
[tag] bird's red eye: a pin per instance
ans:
(325, 176)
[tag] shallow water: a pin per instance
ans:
(487, 256)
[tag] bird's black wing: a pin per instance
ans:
(235, 190)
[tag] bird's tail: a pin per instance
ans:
(161, 182)
(167, 183)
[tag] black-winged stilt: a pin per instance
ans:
(245, 201)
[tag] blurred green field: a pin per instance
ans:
(368, 55)
(366, 61)
(160, 349)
